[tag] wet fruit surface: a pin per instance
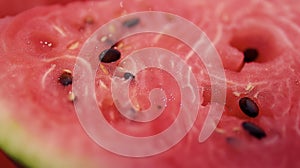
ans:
(259, 46)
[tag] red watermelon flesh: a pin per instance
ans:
(13, 7)
(5, 161)
(39, 126)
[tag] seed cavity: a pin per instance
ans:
(128, 75)
(109, 55)
(250, 54)
(65, 78)
(248, 107)
(254, 130)
(131, 22)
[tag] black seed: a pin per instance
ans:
(254, 130)
(109, 55)
(128, 75)
(131, 22)
(65, 78)
(249, 107)
(250, 54)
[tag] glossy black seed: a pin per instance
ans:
(254, 130)
(109, 55)
(128, 75)
(249, 107)
(65, 78)
(250, 54)
(131, 22)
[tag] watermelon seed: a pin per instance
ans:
(237, 94)
(136, 107)
(250, 54)
(118, 45)
(104, 70)
(102, 84)
(236, 129)
(59, 30)
(249, 87)
(109, 55)
(73, 45)
(88, 20)
(254, 130)
(66, 78)
(103, 38)
(220, 130)
(68, 71)
(71, 96)
(112, 29)
(249, 107)
(128, 75)
(131, 22)
(106, 39)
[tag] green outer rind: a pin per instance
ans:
(28, 152)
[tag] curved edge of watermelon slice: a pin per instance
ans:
(29, 155)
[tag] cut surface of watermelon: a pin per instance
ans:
(13, 7)
(38, 122)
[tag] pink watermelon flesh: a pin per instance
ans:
(13, 7)
(39, 126)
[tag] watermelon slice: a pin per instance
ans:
(14, 7)
(258, 45)
(5, 161)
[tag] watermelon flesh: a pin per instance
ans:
(13, 7)
(39, 125)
